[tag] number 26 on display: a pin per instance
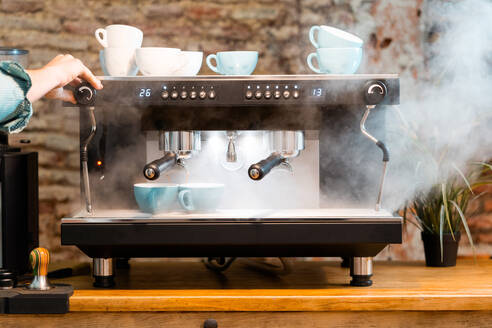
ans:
(144, 92)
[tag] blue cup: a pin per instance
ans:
(200, 196)
(233, 62)
(102, 61)
(155, 197)
(331, 37)
(335, 60)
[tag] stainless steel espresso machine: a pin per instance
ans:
(300, 157)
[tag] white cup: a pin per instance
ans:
(155, 61)
(120, 61)
(119, 36)
(194, 63)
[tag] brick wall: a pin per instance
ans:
(393, 31)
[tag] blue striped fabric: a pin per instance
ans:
(15, 109)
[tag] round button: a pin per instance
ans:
(202, 94)
(184, 94)
(268, 94)
(296, 94)
(258, 94)
(277, 94)
(211, 94)
(193, 94)
(174, 94)
(249, 94)
(84, 94)
(286, 94)
(165, 94)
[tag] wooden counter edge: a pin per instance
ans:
(251, 303)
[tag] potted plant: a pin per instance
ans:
(439, 214)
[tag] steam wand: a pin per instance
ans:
(382, 146)
(84, 157)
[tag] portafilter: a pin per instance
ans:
(285, 145)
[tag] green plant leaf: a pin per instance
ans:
(446, 209)
(463, 177)
(441, 225)
(483, 164)
(465, 224)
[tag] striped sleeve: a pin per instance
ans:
(15, 108)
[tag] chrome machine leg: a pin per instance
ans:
(361, 271)
(103, 272)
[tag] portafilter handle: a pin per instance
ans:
(154, 169)
(259, 170)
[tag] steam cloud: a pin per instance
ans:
(444, 120)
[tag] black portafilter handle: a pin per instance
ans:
(154, 169)
(85, 94)
(375, 92)
(259, 170)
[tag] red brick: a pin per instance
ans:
(204, 10)
(163, 11)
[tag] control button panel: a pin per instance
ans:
(263, 91)
(180, 92)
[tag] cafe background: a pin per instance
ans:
(397, 35)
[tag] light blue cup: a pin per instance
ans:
(233, 62)
(335, 60)
(331, 37)
(102, 61)
(200, 196)
(155, 197)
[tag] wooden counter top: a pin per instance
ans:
(312, 286)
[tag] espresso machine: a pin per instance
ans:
(301, 161)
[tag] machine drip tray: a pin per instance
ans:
(237, 215)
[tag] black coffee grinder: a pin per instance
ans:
(18, 206)
(18, 196)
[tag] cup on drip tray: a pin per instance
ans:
(337, 51)
(119, 42)
(155, 197)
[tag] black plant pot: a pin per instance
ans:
(432, 249)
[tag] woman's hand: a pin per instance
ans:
(62, 70)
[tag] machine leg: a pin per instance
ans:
(361, 271)
(103, 272)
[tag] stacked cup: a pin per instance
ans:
(119, 42)
(337, 51)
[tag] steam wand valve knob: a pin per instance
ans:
(375, 92)
(39, 258)
(85, 94)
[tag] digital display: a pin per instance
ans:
(317, 92)
(144, 92)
